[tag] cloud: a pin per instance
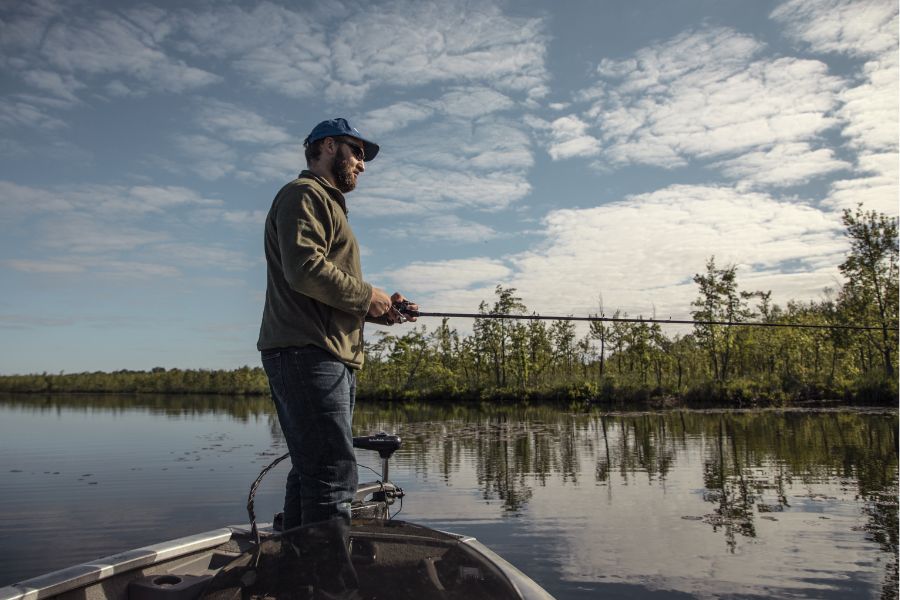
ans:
(104, 201)
(447, 165)
(18, 113)
(569, 139)
(278, 163)
(876, 188)
(447, 228)
(57, 41)
(101, 200)
(244, 217)
(62, 87)
(83, 234)
(640, 253)
(43, 266)
(395, 116)
(17, 200)
(854, 27)
(216, 256)
(239, 124)
(782, 165)
(864, 29)
(401, 44)
(116, 231)
(209, 157)
(870, 109)
(448, 275)
(473, 102)
(707, 94)
(429, 190)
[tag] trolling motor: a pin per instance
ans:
(382, 443)
(373, 499)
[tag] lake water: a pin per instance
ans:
(679, 504)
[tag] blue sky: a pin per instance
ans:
(574, 150)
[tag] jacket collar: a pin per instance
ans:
(335, 193)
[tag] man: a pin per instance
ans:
(311, 337)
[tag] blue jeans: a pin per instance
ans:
(314, 394)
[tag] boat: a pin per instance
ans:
(378, 556)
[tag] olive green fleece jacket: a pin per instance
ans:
(315, 293)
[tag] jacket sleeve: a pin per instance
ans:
(305, 228)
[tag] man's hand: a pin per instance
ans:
(379, 304)
(398, 297)
(381, 307)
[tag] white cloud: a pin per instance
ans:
(84, 234)
(44, 266)
(855, 27)
(70, 40)
(396, 116)
(187, 254)
(867, 29)
(62, 86)
(209, 157)
(448, 228)
(570, 139)
(473, 102)
(103, 201)
(116, 231)
(447, 165)
(641, 253)
(282, 163)
(782, 165)
(428, 190)
(707, 94)
(244, 217)
(123, 269)
(877, 187)
(17, 113)
(401, 44)
(18, 200)
(870, 109)
(239, 124)
(448, 275)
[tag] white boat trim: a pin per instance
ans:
(57, 582)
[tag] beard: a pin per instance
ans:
(342, 172)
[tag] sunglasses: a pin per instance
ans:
(358, 151)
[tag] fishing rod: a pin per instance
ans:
(406, 312)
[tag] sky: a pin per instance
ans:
(587, 153)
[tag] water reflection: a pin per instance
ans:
(699, 502)
(756, 465)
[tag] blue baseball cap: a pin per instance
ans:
(336, 127)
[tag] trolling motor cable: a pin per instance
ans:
(406, 312)
(253, 530)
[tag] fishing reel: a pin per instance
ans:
(404, 310)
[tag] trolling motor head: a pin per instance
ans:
(382, 443)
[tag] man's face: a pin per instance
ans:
(348, 163)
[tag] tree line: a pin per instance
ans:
(618, 362)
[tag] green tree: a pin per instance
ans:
(719, 300)
(872, 282)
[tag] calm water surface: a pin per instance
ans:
(682, 504)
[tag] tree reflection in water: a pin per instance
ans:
(750, 458)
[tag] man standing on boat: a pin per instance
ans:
(311, 337)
